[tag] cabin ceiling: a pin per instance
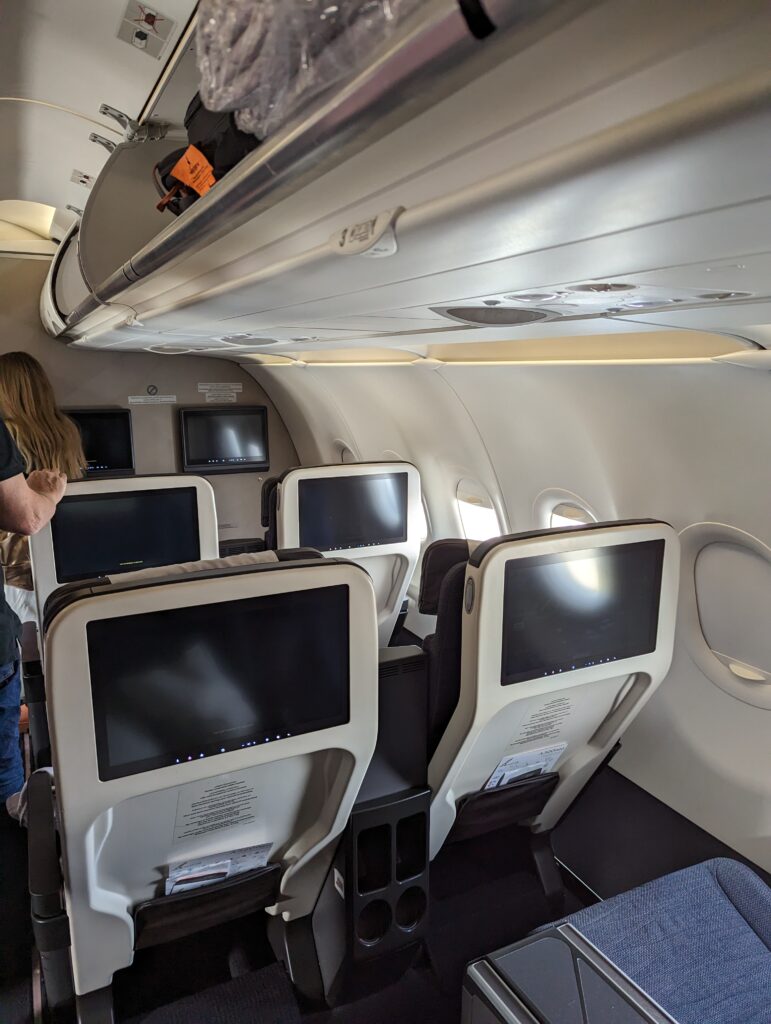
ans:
(56, 55)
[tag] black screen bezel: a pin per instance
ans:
(512, 679)
(336, 478)
(108, 773)
(206, 469)
(106, 495)
(119, 414)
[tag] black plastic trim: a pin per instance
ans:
(477, 18)
(44, 873)
(51, 933)
(484, 549)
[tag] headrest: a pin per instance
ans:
(64, 595)
(438, 558)
(268, 489)
(481, 551)
(184, 568)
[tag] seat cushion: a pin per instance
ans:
(697, 941)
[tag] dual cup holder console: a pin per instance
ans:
(373, 912)
(389, 884)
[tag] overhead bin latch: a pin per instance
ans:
(135, 132)
(375, 237)
(100, 140)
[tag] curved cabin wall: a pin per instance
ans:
(108, 378)
(685, 443)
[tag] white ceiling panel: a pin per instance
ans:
(67, 59)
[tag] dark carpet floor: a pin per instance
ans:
(484, 895)
(265, 996)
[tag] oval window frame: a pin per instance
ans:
(473, 488)
(694, 540)
(549, 500)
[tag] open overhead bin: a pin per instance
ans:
(481, 161)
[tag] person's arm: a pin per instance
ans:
(27, 505)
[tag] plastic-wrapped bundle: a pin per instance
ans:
(267, 58)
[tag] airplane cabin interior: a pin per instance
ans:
(401, 651)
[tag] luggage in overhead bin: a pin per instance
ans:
(216, 145)
(268, 60)
(216, 135)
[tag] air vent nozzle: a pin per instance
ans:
(603, 287)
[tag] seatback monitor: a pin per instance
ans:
(107, 440)
(338, 513)
(119, 531)
(224, 440)
(575, 609)
(175, 686)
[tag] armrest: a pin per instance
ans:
(45, 878)
(35, 699)
(30, 649)
(552, 977)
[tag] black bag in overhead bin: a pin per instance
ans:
(215, 134)
(211, 136)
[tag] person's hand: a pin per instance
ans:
(49, 483)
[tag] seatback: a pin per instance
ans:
(107, 526)
(526, 600)
(268, 511)
(198, 712)
(442, 579)
(319, 506)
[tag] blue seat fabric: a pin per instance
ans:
(697, 941)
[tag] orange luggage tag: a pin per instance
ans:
(194, 170)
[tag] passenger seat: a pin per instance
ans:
(697, 941)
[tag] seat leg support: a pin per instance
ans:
(548, 871)
(95, 1007)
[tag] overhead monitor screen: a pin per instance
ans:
(341, 512)
(107, 442)
(222, 440)
(103, 534)
(174, 686)
(580, 608)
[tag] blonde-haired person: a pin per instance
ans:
(29, 494)
(47, 440)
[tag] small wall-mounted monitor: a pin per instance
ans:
(177, 685)
(338, 513)
(580, 609)
(107, 527)
(107, 440)
(224, 440)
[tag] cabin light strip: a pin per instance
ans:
(439, 363)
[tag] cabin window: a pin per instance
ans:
(347, 454)
(557, 508)
(723, 611)
(568, 513)
(478, 516)
(732, 588)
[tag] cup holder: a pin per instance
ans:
(411, 908)
(373, 922)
